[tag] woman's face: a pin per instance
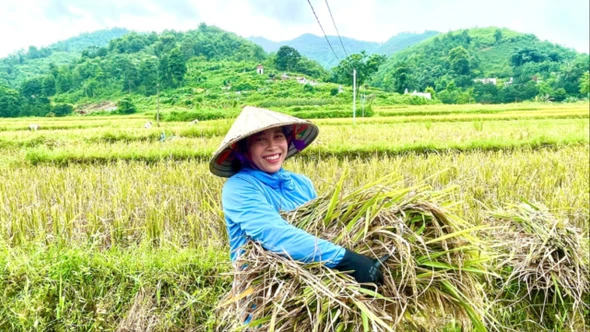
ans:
(268, 149)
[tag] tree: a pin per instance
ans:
(498, 35)
(459, 60)
(311, 68)
(176, 67)
(62, 109)
(126, 106)
(364, 64)
(570, 73)
(584, 82)
(90, 88)
(559, 94)
(38, 106)
(431, 91)
(527, 54)
(165, 77)
(287, 58)
(53, 70)
(485, 93)
(10, 102)
(400, 78)
(63, 81)
(89, 69)
(32, 88)
(148, 73)
(48, 86)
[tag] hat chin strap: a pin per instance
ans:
(244, 160)
(299, 144)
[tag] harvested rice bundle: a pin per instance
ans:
(544, 262)
(431, 278)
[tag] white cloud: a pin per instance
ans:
(42, 22)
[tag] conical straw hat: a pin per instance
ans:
(253, 120)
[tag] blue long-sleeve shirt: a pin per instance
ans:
(251, 202)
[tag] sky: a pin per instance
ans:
(42, 22)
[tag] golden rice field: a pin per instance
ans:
(106, 226)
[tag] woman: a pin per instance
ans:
(252, 155)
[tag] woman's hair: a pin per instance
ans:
(242, 148)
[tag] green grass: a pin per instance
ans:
(336, 140)
(79, 288)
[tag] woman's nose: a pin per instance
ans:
(272, 142)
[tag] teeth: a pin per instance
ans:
(273, 157)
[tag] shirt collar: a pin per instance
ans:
(276, 180)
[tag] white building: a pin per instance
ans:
(419, 94)
(303, 80)
(487, 80)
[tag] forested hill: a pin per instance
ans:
(316, 48)
(209, 68)
(34, 61)
(83, 41)
(207, 60)
(454, 61)
(402, 41)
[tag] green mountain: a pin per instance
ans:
(22, 64)
(212, 69)
(402, 41)
(316, 48)
(81, 42)
(203, 68)
(458, 58)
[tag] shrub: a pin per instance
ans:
(62, 110)
(285, 102)
(325, 114)
(200, 115)
(308, 88)
(126, 106)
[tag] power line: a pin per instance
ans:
(321, 27)
(335, 27)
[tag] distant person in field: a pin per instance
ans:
(251, 156)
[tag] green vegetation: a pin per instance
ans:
(524, 68)
(108, 225)
(22, 65)
(419, 130)
(105, 226)
(402, 41)
(208, 68)
(316, 48)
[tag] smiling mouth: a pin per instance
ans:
(273, 157)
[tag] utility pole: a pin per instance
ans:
(158, 109)
(363, 104)
(354, 96)
(157, 89)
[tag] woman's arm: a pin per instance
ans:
(245, 205)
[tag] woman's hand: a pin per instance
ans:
(364, 269)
